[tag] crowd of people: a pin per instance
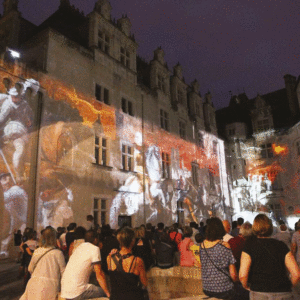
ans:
(238, 261)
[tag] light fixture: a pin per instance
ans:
(13, 53)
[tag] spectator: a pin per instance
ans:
(89, 222)
(127, 273)
(17, 243)
(142, 248)
(267, 259)
(217, 263)
(149, 233)
(70, 236)
(46, 267)
(79, 239)
(234, 225)
(284, 235)
(158, 232)
(295, 246)
(175, 235)
(164, 251)
(194, 227)
(227, 236)
(236, 231)
(186, 256)
(74, 284)
(196, 249)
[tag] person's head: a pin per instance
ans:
(149, 226)
(15, 97)
(201, 224)
(246, 229)
(297, 226)
(226, 225)
(215, 230)
(281, 222)
(173, 229)
(193, 225)
(80, 233)
(48, 238)
(91, 237)
(106, 231)
(140, 232)
(126, 237)
(199, 238)
(187, 231)
(72, 226)
(283, 227)
(240, 222)
(19, 231)
(30, 234)
(160, 226)
(90, 218)
(262, 226)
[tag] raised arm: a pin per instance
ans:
(245, 269)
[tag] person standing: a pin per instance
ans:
(46, 267)
(284, 235)
(227, 236)
(85, 259)
(295, 246)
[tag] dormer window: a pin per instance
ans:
(161, 83)
(125, 57)
(103, 41)
(262, 125)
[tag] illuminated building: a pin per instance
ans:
(261, 150)
(111, 134)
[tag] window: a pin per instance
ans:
(215, 147)
(266, 151)
(262, 125)
(164, 120)
(195, 168)
(125, 57)
(231, 132)
(298, 148)
(182, 132)
(101, 151)
(127, 106)
(180, 96)
(127, 157)
(200, 139)
(166, 165)
(103, 41)
(100, 211)
(161, 83)
(197, 106)
(98, 94)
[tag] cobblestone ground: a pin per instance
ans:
(11, 288)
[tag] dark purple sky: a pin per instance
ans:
(227, 45)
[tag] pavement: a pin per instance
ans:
(11, 288)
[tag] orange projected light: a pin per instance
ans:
(271, 170)
(279, 149)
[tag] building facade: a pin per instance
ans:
(109, 134)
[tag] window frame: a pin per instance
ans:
(166, 165)
(104, 41)
(124, 57)
(127, 106)
(266, 151)
(101, 149)
(98, 210)
(127, 157)
(164, 120)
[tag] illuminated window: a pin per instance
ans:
(127, 107)
(215, 147)
(195, 168)
(103, 41)
(101, 151)
(266, 151)
(125, 57)
(101, 97)
(164, 120)
(263, 125)
(100, 211)
(298, 148)
(161, 83)
(180, 96)
(166, 162)
(182, 131)
(127, 157)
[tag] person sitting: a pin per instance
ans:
(142, 247)
(186, 256)
(264, 262)
(46, 269)
(164, 250)
(127, 274)
(217, 263)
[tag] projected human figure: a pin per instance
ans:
(16, 117)
(15, 203)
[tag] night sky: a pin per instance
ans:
(226, 45)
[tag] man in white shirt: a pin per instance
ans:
(85, 258)
(227, 236)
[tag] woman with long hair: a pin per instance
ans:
(46, 267)
(264, 262)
